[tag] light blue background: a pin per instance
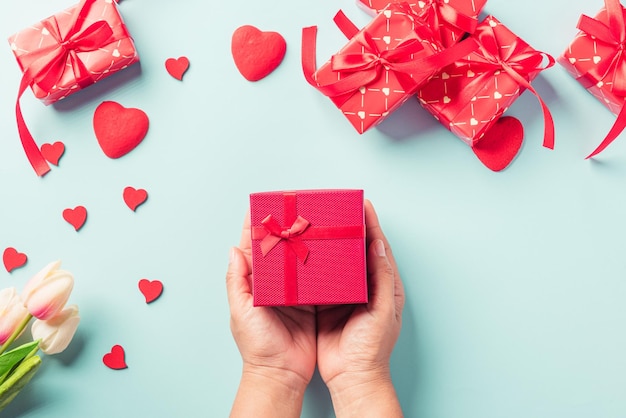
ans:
(515, 281)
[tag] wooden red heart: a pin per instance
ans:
(53, 152)
(176, 67)
(13, 259)
(75, 217)
(118, 129)
(115, 358)
(134, 197)
(257, 53)
(151, 289)
(500, 144)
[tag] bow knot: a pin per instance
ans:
(276, 234)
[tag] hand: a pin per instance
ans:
(354, 342)
(277, 344)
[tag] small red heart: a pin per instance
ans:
(53, 152)
(134, 197)
(13, 259)
(176, 67)
(151, 289)
(115, 358)
(257, 53)
(118, 129)
(500, 144)
(75, 217)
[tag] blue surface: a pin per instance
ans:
(515, 281)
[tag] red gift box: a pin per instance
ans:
(470, 95)
(380, 67)
(308, 247)
(452, 18)
(595, 58)
(68, 52)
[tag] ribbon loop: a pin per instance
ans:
(276, 234)
(443, 11)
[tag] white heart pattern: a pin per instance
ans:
(361, 114)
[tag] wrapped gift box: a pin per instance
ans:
(451, 18)
(308, 247)
(595, 58)
(73, 49)
(380, 67)
(468, 96)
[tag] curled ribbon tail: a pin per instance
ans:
(617, 128)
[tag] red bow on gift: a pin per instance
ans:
(615, 35)
(276, 233)
(442, 11)
(518, 61)
(49, 68)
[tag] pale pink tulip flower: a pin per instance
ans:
(56, 333)
(12, 313)
(47, 292)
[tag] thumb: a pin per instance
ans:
(381, 276)
(237, 285)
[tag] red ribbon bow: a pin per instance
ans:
(276, 233)
(443, 11)
(50, 67)
(518, 61)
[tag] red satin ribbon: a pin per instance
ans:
(516, 61)
(271, 233)
(613, 34)
(442, 11)
(51, 65)
(364, 68)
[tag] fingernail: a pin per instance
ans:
(231, 255)
(379, 248)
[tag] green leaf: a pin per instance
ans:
(11, 358)
(18, 379)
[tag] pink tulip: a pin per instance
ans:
(56, 333)
(47, 292)
(12, 313)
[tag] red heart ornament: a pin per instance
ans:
(13, 259)
(118, 129)
(151, 290)
(134, 197)
(176, 67)
(500, 144)
(53, 152)
(257, 53)
(75, 217)
(115, 358)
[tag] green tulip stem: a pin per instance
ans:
(16, 333)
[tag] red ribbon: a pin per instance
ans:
(441, 11)
(271, 233)
(51, 65)
(517, 60)
(613, 34)
(361, 69)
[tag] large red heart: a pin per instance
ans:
(13, 259)
(134, 197)
(53, 152)
(257, 53)
(500, 144)
(118, 129)
(176, 67)
(75, 217)
(115, 358)
(151, 289)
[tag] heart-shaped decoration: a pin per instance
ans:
(176, 67)
(497, 95)
(118, 129)
(75, 217)
(493, 23)
(13, 259)
(387, 13)
(53, 152)
(597, 59)
(151, 290)
(116, 53)
(446, 100)
(445, 76)
(387, 39)
(500, 144)
(134, 197)
(361, 114)
(473, 122)
(421, 4)
(115, 358)
(257, 53)
(470, 73)
(572, 60)
(385, 91)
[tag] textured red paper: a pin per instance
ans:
(371, 104)
(257, 53)
(176, 67)
(53, 152)
(449, 33)
(500, 144)
(75, 217)
(151, 289)
(115, 359)
(106, 60)
(134, 197)
(118, 129)
(581, 59)
(469, 108)
(13, 259)
(334, 271)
